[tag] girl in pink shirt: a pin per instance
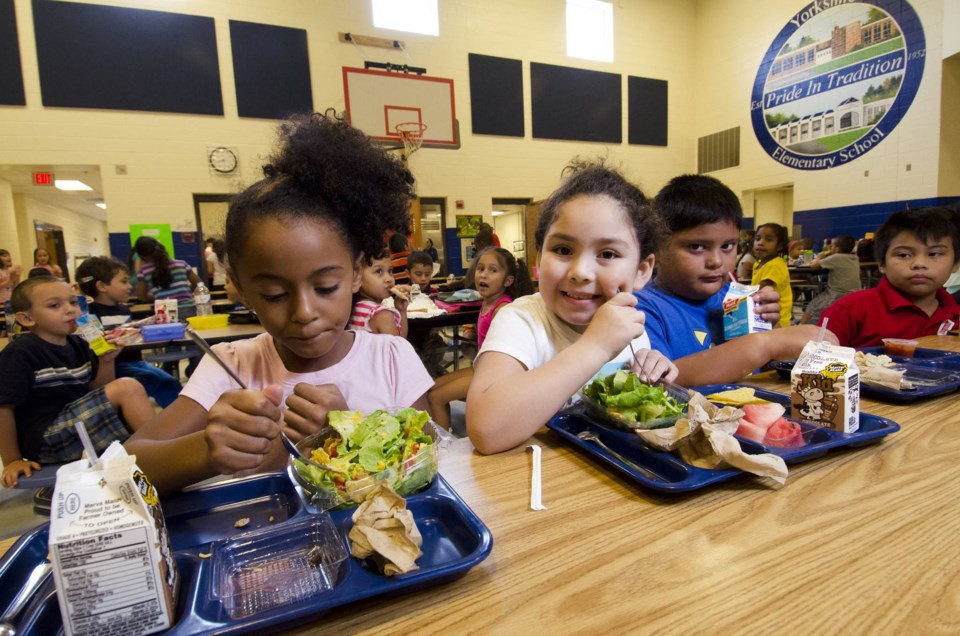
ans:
(376, 285)
(294, 243)
(499, 278)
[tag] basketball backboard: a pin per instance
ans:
(376, 101)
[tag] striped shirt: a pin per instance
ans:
(179, 282)
(364, 310)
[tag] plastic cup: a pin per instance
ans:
(900, 347)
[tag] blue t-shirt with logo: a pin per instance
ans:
(679, 327)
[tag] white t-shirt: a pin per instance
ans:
(379, 371)
(532, 334)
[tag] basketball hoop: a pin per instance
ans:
(411, 134)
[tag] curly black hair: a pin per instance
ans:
(594, 178)
(326, 170)
(97, 269)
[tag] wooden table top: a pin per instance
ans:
(857, 541)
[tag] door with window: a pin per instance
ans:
(50, 238)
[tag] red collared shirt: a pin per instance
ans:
(864, 318)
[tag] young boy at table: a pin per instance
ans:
(420, 271)
(917, 250)
(107, 281)
(684, 303)
(844, 278)
(48, 375)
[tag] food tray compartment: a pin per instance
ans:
(276, 566)
(676, 476)
(601, 414)
(454, 541)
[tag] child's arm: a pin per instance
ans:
(507, 403)
(385, 322)
(143, 293)
(736, 358)
(13, 463)
(193, 278)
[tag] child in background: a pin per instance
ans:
(162, 277)
(917, 250)
(844, 278)
(48, 375)
(596, 238)
(41, 259)
(376, 285)
(216, 264)
(294, 246)
(684, 303)
(500, 279)
(9, 276)
(107, 281)
(769, 246)
(399, 253)
(420, 271)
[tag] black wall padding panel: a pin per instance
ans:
(575, 104)
(646, 111)
(94, 56)
(11, 76)
(271, 69)
(496, 95)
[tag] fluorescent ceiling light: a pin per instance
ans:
(497, 213)
(590, 30)
(415, 16)
(102, 206)
(71, 185)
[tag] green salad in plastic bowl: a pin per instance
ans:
(622, 399)
(399, 447)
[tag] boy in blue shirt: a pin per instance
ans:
(684, 303)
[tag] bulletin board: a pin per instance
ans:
(468, 225)
(159, 231)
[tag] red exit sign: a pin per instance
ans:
(43, 178)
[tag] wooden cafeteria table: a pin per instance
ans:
(858, 541)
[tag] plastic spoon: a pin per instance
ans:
(287, 442)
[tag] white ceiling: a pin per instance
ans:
(21, 179)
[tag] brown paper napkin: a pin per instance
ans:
(385, 532)
(705, 439)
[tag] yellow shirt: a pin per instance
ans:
(775, 270)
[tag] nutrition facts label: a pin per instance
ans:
(109, 584)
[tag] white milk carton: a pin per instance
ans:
(739, 318)
(113, 566)
(825, 387)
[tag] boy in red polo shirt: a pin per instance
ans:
(917, 251)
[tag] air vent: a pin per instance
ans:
(718, 151)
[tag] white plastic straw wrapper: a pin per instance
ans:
(535, 488)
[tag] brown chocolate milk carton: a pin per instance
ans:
(825, 387)
(113, 566)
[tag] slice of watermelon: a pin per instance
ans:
(763, 415)
(749, 430)
(784, 434)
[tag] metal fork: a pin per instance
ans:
(590, 436)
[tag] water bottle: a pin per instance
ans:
(201, 297)
(10, 320)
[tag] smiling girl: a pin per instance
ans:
(769, 246)
(596, 237)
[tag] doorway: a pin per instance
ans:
(510, 225)
(431, 221)
(50, 238)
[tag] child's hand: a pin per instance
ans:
(401, 297)
(307, 408)
(787, 343)
(242, 428)
(615, 324)
(651, 365)
(11, 471)
(767, 304)
(111, 337)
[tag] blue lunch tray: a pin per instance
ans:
(678, 477)
(454, 540)
(933, 372)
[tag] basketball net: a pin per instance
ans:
(411, 134)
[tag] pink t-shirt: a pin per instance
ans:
(364, 310)
(483, 322)
(379, 371)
